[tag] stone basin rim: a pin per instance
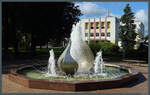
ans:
(131, 73)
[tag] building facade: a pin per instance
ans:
(140, 33)
(106, 29)
(139, 30)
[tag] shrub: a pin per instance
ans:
(57, 50)
(94, 47)
(107, 47)
(140, 54)
(143, 50)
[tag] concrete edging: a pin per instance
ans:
(73, 86)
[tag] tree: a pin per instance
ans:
(146, 37)
(8, 31)
(42, 20)
(127, 30)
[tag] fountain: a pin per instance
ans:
(99, 64)
(75, 70)
(77, 57)
(51, 65)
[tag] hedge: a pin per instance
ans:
(107, 48)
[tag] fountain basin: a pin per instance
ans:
(83, 85)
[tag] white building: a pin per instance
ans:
(139, 30)
(140, 33)
(104, 28)
(107, 29)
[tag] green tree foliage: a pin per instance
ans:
(43, 21)
(109, 49)
(127, 30)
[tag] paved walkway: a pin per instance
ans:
(140, 86)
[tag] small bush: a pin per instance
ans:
(57, 50)
(143, 51)
(107, 48)
(140, 54)
(94, 47)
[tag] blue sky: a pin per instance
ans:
(99, 9)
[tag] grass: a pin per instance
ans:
(113, 58)
(45, 50)
(39, 52)
(57, 51)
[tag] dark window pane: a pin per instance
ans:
(97, 41)
(86, 25)
(86, 34)
(97, 34)
(91, 34)
(92, 27)
(102, 27)
(108, 34)
(102, 34)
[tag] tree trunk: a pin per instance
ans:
(5, 42)
(47, 44)
(5, 34)
(123, 53)
(33, 44)
(16, 40)
(63, 43)
(16, 47)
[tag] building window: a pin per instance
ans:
(86, 34)
(97, 25)
(97, 34)
(86, 42)
(102, 25)
(91, 34)
(102, 34)
(86, 25)
(108, 34)
(92, 25)
(108, 25)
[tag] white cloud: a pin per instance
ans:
(90, 9)
(115, 15)
(142, 15)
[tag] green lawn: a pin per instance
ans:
(57, 50)
(112, 58)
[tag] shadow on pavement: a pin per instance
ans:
(136, 82)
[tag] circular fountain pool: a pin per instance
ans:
(109, 71)
(116, 76)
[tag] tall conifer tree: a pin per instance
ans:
(127, 30)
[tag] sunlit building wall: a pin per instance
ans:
(101, 29)
(107, 29)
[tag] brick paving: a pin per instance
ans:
(140, 86)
